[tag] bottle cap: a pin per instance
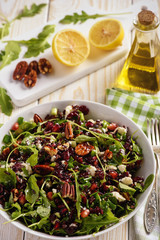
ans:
(146, 17)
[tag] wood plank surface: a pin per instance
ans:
(91, 87)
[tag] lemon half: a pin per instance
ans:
(106, 34)
(70, 47)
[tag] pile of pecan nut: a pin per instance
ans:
(28, 72)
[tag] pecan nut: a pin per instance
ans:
(63, 147)
(6, 151)
(83, 149)
(68, 191)
(30, 79)
(43, 169)
(68, 130)
(15, 194)
(44, 66)
(50, 150)
(33, 66)
(20, 70)
(37, 118)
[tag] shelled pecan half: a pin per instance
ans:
(20, 70)
(68, 191)
(33, 66)
(44, 66)
(30, 79)
(68, 130)
(43, 169)
(37, 118)
(50, 150)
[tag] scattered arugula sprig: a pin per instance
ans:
(13, 49)
(5, 102)
(34, 10)
(75, 18)
(35, 46)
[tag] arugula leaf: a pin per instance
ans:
(12, 50)
(5, 102)
(93, 222)
(84, 138)
(126, 188)
(4, 30)
(33, 159)
(79, 17)
(43, 211)
(1, 55)
(78, 196)
(46, 203)
(35, 9)
(75, 18)
(20, 120)
(38, 45)
(7, 139)
(32, 190)
(8, 178)
(25, 126)
(41, 223)
(148, 181)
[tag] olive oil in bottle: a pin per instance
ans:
(141, 71)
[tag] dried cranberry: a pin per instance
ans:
(105, 188)
(17, 167)
(73, 115)
(138, 179)
(113, 174)
(89, 124)
(100, 174)
(96, 210)
(84, 109)
(63, 211)
(56, 128)
(65, 155)
(72, 228)
(124, 174)
(49, 126)
(84, 199)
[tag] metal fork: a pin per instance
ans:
(151, 209)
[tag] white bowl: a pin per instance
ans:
(96, 111)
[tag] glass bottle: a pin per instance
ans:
(141, 71)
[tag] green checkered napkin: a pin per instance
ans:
(138, 107)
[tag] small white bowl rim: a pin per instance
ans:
(78, 102)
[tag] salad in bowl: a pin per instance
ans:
(66, 173)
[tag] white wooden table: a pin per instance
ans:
(91, 87)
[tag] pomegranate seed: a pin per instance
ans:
(56, 225)
(85, 213)
(93, 187)
(112, 126)
(15, 126)
(50, 195)
(22, 199)
(113, 174)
